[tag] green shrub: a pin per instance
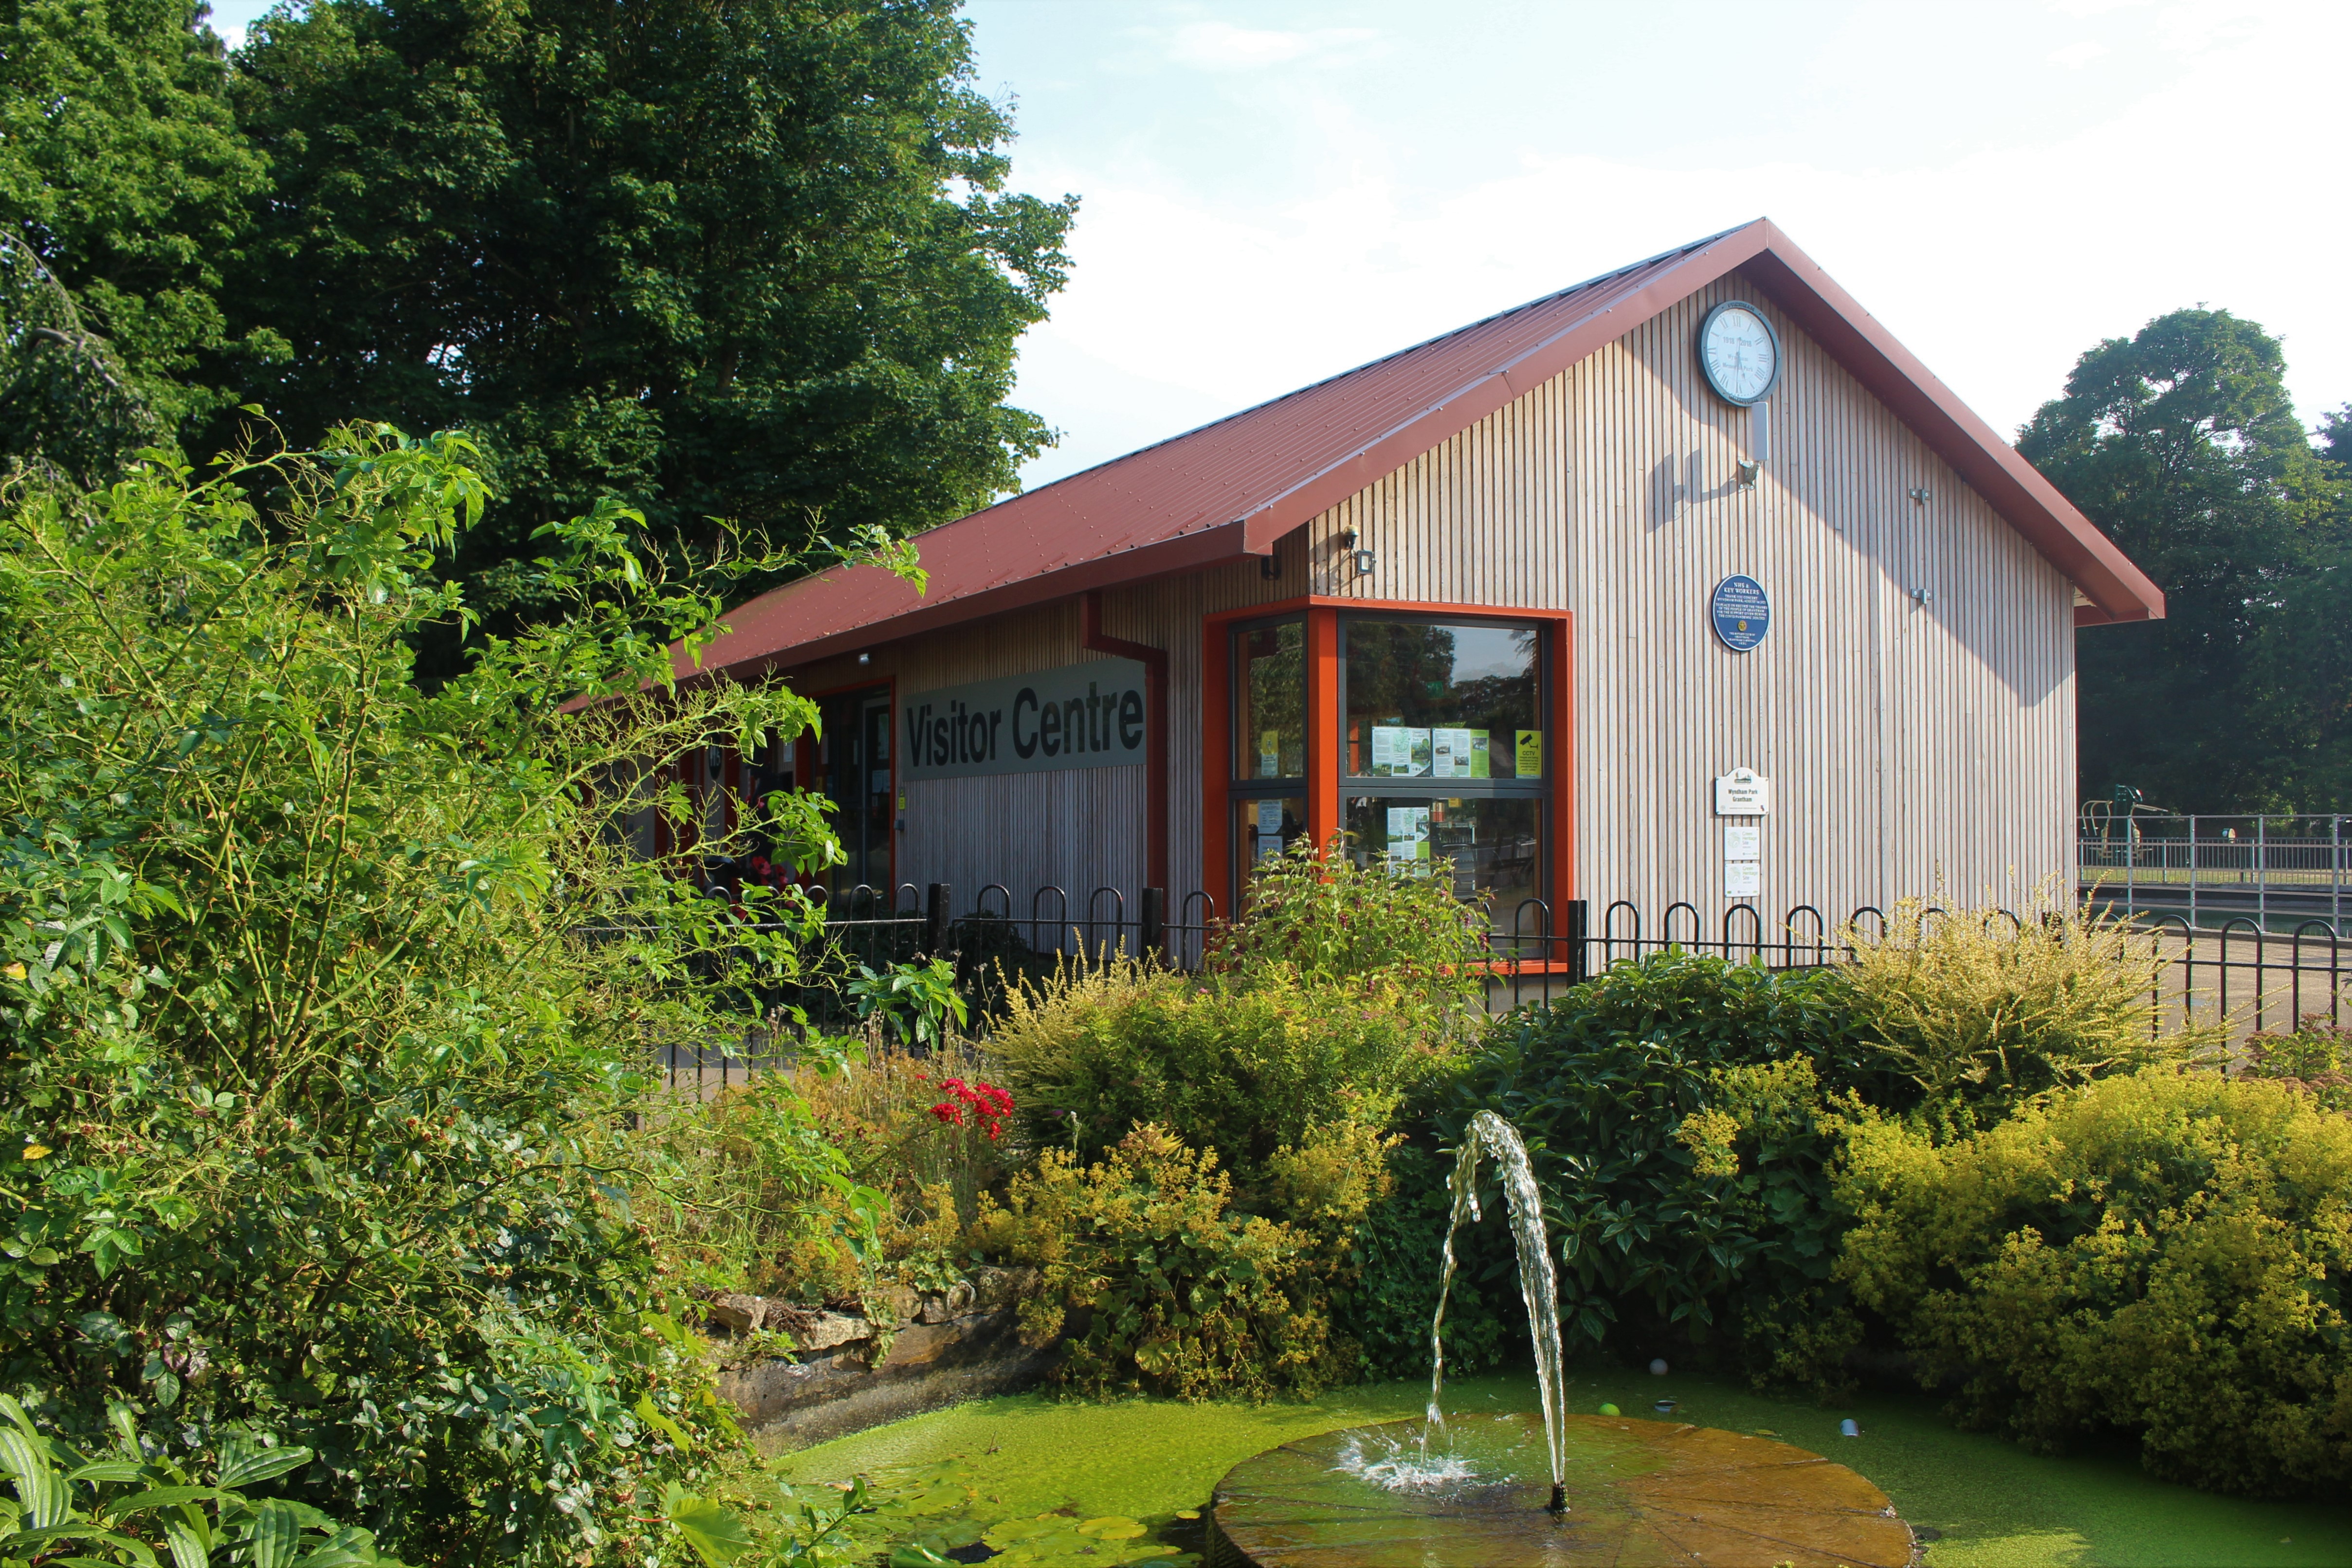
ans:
(1329, 924)
(1244, 1067)
(2316, 1056)
(2161, 1254)
(859, 1166)
(126, 1506)
(1980, 1010)
(1396, 1248)
(321, 995)
(1676, 1112)
(1162, 1288)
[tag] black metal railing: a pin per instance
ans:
(2253, 978)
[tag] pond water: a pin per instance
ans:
(1989, 1503)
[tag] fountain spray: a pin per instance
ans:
(1537, 1284)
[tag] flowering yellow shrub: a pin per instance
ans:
(1160, 1287)
(1977, 1007)
(1244, 1068)
(2163, 1253)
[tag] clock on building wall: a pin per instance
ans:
(1739, 352)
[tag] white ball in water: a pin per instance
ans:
(1658, 1368)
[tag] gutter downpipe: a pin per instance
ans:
(1155, 742)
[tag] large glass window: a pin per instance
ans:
(1266, 825)
(1494, 845)
(1269, 795)
(1446, 758)
(1270, 732)
(1443, 701)
(1441, 764)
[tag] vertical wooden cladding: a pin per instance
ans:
(1916, 745)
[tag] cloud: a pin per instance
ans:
(1222, 46)
(2075, 56)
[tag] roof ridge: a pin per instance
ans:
(1540, 300)
(1163, 509)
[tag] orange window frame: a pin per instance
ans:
(1322, 613)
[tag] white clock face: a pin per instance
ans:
(1739, 353)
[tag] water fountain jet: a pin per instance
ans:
(1647, 1491)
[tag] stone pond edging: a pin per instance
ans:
(944, 1347)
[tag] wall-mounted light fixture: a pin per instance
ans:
(864, 658)
(1269, 565)
(1747, 473)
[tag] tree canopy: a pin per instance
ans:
(2182, 443)
(741, 259)
(125, 186)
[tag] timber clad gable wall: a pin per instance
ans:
(1914, 746)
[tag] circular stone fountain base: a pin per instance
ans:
(1640, 1493)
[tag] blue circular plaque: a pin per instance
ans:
(1742, 612)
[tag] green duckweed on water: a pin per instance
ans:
(1995, 1505)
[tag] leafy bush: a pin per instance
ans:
(1328, 923)
(1163, 1289)
(2160, 1254)
(919, 1003)
(859, 1166)
(1396, 1250)
(1677, 1115)
(131, 1507)
(1242, 1067)
(1978, 1010)
(2315, 1055)
(321, 994)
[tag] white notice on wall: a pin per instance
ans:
(1743, 855)
(1743, 792)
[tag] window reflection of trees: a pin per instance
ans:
(1405, 673)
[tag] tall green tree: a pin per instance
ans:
(125, 186)
(2182, 443)
(719, 258)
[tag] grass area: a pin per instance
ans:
(1996, 1505)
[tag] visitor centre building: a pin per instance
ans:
(1685, 584)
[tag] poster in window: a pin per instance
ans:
(1409, 839)
(1458, 754)
(1530, 757)
(1400, 752)
(1269, 829)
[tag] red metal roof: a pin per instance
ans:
(1234, 487)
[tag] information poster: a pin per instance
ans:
(1531, 757)
(1459, 754)
(1269, 754)
(1269, 829)
(1409, 839)
(1400, 752)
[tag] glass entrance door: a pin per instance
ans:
(858, 779)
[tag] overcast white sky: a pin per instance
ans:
(1276, 191)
